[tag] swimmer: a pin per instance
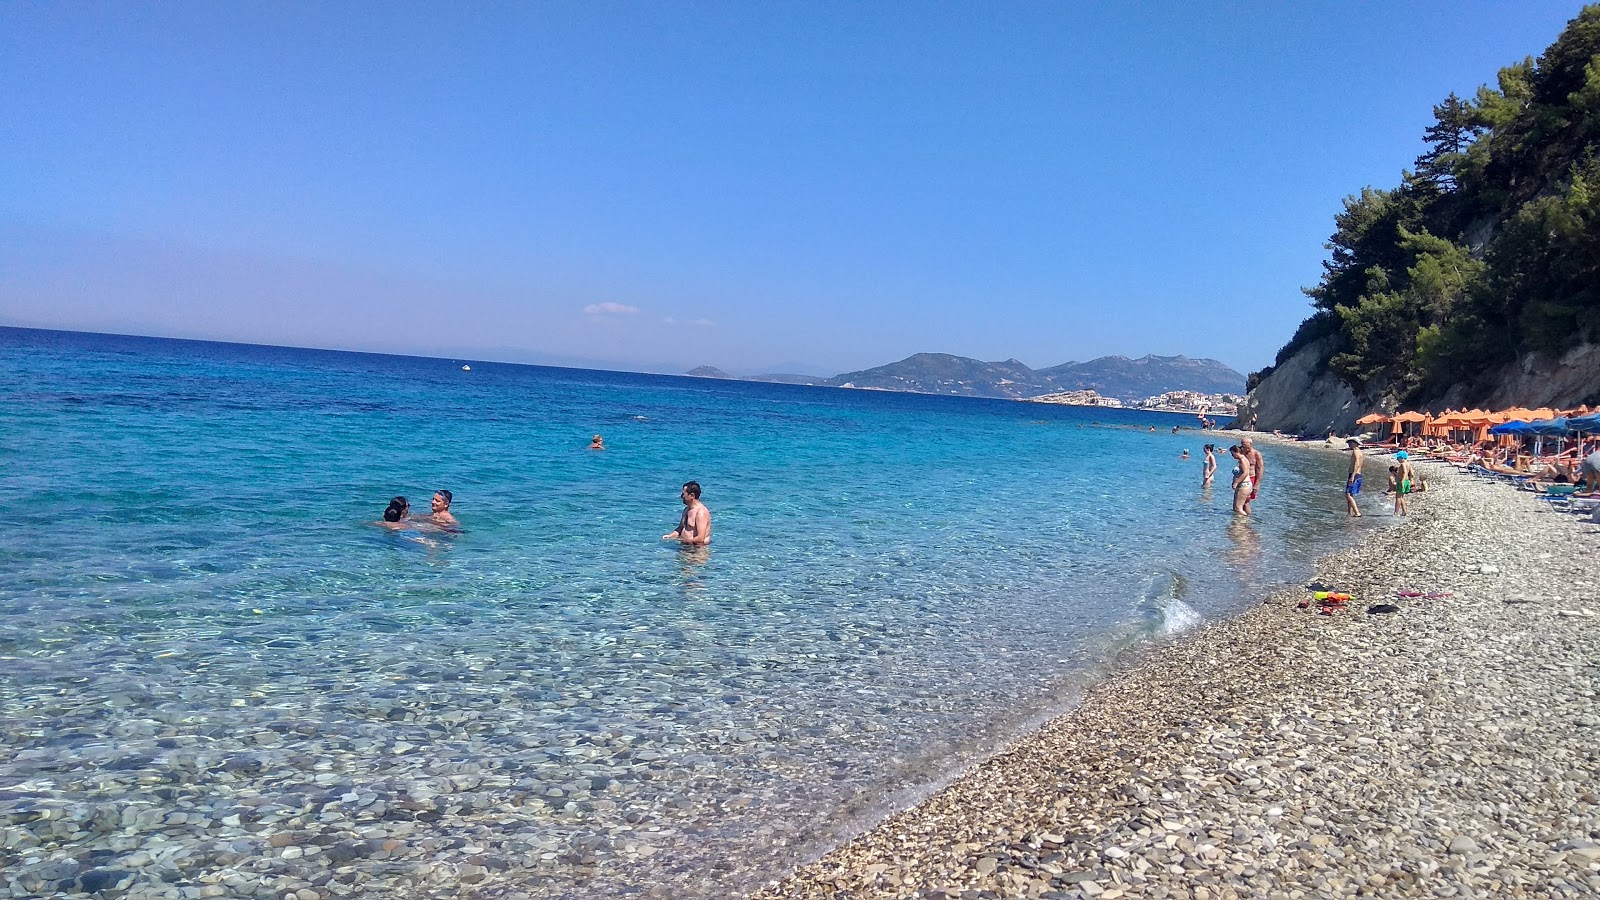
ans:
(441, 509)
(597, 443)
(395, 515)
(1184, 454)
(1209, 468)
(694, 526)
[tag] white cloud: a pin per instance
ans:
(670, 320)
(610, 309)
(704, 323)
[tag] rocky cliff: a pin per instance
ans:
(1302, 397)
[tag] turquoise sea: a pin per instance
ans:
(206, 646)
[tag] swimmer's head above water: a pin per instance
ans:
(398, 507)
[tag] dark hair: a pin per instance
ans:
(449, 498)
(397, 509)
(1211, 447)
(693, 487)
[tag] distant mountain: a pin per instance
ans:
(779, 378)
(1135, 379)
(942, 373)
(1111, 376)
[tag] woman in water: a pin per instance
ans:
(1242, 483)
(395, 515)
(1209, 468)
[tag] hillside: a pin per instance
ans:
(1111, 376)
(1128, 379)
(1476, 281)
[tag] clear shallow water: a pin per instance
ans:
(195, 616)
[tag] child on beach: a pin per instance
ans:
(1397, 488)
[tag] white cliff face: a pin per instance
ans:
(1302, 397)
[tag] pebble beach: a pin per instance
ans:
(1446, 749)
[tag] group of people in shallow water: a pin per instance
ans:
(694, 524)
(1248, 470)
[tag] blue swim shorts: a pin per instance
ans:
(1353, 487)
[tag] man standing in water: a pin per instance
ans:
(694, 527)
(1256, 469)
(1352, 481)
(441, 509)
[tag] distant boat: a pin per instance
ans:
(466, 368)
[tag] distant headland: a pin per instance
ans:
(1165, 382)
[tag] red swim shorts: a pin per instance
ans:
(1252, 493)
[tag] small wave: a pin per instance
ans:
(1172, 616)
(1178, 617)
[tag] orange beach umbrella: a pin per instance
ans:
(1402, 419)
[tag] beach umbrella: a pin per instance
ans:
(1514, 427)
(1588, 424)
(1405, 418)
(1372, 419)
(1543, 428)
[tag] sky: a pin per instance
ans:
(809, 187)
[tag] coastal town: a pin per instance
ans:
(1225, 405)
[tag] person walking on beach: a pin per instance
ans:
(1403, 477)
(694, 526)
(1257, 467)
(1242, 484)
(1352, 481)
(440, 506)
(1209, 467)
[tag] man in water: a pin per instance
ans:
(441, 509)
(598, 443)
(694, 527)
(1352, 481)
(1257, 468)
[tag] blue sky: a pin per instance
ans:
(748, 185)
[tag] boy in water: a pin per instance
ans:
(694, 526)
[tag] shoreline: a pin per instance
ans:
(1444, 749)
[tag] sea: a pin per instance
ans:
(211, 656)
